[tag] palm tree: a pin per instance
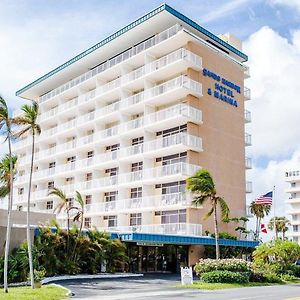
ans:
(65, 205)
(29, 124)
(281, 225)
(80, 210)
(5, 174)
(6, 130)
(203, 187)
(259, 211)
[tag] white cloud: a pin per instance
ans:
(273, 175)
(223, 10)
(275, 72)
(291, 3)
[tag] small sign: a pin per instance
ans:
(186, 275)
(150, 244)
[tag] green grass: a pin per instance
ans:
(220, 286)
(46, 292)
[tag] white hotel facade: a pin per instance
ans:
(293, 204)
(128, 120)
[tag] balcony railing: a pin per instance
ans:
(246, 72)
(247, 93)
(248, 187)
(172, 228)
(248, 163)
(248, 139)
(247, 116)
(114, 61)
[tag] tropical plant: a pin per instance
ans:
(6, 131)
(79, 217)
(202, 186)
(64, 204)
(277, 256)
(241, 228)
(28, 121)
(259, 211)
(281, 225)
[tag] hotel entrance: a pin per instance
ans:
(156, 257)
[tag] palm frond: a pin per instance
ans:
(199, 200)
(209, 213)
(79, 200)
(4, 191)
(224, 208)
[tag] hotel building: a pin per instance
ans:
(128, 120)
(293, 202)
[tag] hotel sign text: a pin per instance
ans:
(224, 89)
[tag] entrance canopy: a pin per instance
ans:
(149, 238)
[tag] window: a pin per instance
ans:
(172, 187)
(173, 159)
(173, 216)
(20, 191)
(137, 141)
(171, 131)
(135, 167)
(90, 154)
(69, 180)
(112, 171)
(71, 159)
(89, 177)
(112, 221)
(110, 196)
(295, 228)
(49, 205)
(135, 219)
(19, 208)
(52, 165)
(50, 185)
(88, 199)
(293, 184)
(294, 217)
(112, 148)
(87, 222)
(70, 201)
(136, 193)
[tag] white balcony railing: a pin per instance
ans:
(248, 139)
(172, 228)
(247, 93)
(248, 163)
(247, 116)
(114, 61)
(248, 187)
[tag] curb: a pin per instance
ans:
(87, 276)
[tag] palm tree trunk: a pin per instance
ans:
(258, 228)
(68, 228)
(28, 215)
(216, 231)
(9, 212)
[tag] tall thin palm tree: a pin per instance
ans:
(6, 131)
(203, 187)
(80, 210)
(64, 204)
(259, 211)
(29, 124)
(5, 174)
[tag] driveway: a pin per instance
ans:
(163, 287)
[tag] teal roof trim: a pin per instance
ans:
(127, 28)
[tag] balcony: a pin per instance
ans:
(246, 72)
(248, 187)
(187, 229)
(248, 139)
(247, 94)
(247, 116)
(113, 62)
(102, 159)
(248, 163)
(293, 200)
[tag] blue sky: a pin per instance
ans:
(38, 35)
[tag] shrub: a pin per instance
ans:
(272, 278)
(257, 277)
(225, 277)
(287, 277)
(233, 265)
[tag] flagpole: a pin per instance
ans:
(273, 196)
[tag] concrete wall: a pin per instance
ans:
(18, 233)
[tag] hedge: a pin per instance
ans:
(226, 277)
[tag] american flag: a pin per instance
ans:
(265, 199)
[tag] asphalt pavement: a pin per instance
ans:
(162, 286)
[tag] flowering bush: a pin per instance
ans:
(232, 264)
